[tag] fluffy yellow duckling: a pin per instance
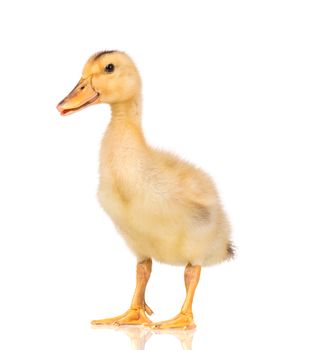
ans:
(165, 208)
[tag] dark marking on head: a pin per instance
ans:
(231, 250)
(102, 53)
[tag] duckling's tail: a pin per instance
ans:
(231, 250)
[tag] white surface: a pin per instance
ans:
(226, 85)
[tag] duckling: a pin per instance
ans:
(165, 208)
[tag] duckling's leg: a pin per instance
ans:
(136, 314)
(184, 319)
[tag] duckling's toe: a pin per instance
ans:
(181, 321)
(130, 317)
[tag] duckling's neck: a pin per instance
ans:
(124, 132)
(127, 112)
(123, 151)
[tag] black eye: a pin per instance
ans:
(109, 68)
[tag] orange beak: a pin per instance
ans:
(81, 96)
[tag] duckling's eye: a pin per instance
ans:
(109, 68)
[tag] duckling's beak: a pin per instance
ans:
(81, 96)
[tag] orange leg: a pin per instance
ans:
(184, 320)
(136, 314)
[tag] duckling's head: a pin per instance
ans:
(108, 77)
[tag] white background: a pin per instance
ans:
(226, 85)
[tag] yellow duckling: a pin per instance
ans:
(165, 208)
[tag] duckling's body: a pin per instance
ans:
(165, 208)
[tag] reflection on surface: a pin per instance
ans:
(185, 337)
(140, 335)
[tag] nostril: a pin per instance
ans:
(82, 87)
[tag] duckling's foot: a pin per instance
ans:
(134, 316)
(181, 321)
